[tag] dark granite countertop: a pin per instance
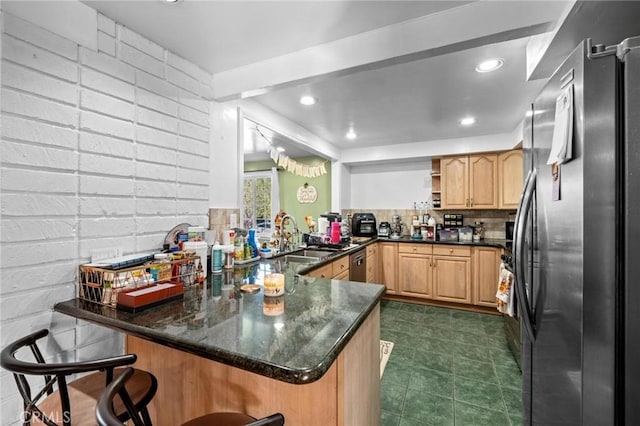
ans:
(499, 243)
(293, 338)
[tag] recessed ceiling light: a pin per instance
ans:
(351, 135)
(280, 149)
(172, 1)
(490, 65)
(308, 100)
(467, 121)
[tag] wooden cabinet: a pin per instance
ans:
(344, 276)
(452, 273)
(469, 182)
(388, 266)
(340, 266)
(454, 181)
(325, 271)
(338, 269)
(486, 261)
(510, 178)
(483, 178)
(415, 270)
(372, 263)
(436, 186)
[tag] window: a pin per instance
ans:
(257, 203)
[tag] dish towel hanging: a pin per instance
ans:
(504, 295)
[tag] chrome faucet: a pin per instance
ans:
(296, 232)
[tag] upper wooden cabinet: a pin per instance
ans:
(510, 177)
(469, 182)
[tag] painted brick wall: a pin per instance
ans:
(99, 149)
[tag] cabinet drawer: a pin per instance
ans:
(415, 248)
(325, 271)
(340, 265)
(442, 250)
(372, 249)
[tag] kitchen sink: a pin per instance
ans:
(298, 258)
(317, 253)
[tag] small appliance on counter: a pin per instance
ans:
(465, 233)
(384, 230)
(363, 225)
(396, 227)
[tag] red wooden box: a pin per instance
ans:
(141, 298)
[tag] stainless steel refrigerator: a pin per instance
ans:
(577, 242)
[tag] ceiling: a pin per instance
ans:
(394, 71)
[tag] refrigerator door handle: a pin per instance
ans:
(518, 253)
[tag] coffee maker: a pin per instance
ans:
(396, 227)
(384, 229)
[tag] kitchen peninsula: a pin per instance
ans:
(312, 354)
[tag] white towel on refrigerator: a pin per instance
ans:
(504, 295)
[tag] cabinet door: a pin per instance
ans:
(414, 275)
(343, 276)
(454, 181)
(486, 261)
(510, 176)
(387, 274)
(372, 268)
(340, 266)
(452, 278)
(325, 271)
(483, 181)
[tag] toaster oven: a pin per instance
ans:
(363, 225)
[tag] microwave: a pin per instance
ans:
(363, 225)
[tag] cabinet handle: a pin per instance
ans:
(450, 250)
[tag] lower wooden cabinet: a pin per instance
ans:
(415, 270)
(388, 266)
(325, 271)
(372, 263)
(486, 261)
(452, 273)
(338, 269)
(344, 276)
(446, 272)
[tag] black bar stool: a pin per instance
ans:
(106, 416)
(73, 402)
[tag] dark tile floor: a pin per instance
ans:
(447, 367)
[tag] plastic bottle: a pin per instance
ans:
(238, 253)
(335, 232)
(216, 257)
(252, 243)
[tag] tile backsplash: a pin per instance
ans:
(493, 220)
(219, 220)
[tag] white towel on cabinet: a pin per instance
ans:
(504, 295)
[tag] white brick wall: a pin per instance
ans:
(98, 149)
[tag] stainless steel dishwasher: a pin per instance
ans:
(358, 266)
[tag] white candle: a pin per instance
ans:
(274, 284)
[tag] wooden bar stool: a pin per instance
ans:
(106, 416)
(73, 402)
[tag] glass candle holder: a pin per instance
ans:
(274, 285)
